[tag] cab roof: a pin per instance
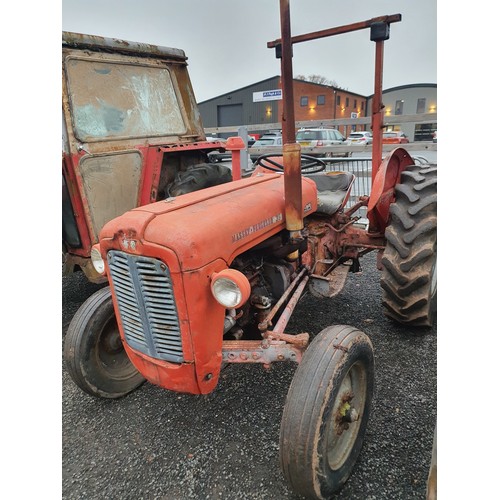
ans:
(99, 43)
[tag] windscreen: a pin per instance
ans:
(112, 100)
(263, 142)
(308, 135)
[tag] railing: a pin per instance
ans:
(365, 120)
(362, 170)
(342, 150)
(360, 166)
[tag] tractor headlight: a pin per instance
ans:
(97, 260)
(230, 288)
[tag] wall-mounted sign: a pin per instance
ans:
(268, 95)
(354, 115)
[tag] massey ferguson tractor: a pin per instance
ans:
(204, 279)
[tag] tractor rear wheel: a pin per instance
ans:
(409, 271)
(326, 412)
(94, 353)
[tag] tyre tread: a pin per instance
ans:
(410, 252)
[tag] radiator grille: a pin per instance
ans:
(146, 305)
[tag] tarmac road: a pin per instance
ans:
(155, 444)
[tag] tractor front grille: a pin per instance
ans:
(146, 305)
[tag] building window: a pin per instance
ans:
(338, 100)
(304, 101)
(423, 131)
(347, 102)
(421, 105)
(362, 105)
(355, 103)
(320, 100)
(398, 109)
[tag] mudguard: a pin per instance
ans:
(382, 193)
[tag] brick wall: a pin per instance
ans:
(349, 103)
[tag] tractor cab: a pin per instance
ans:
(132, 134)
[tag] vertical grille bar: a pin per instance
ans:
(146, 304)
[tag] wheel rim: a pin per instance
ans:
(347, 415)
(434, 279)
(111, 355)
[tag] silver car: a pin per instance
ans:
(320, 137)
(362, 138)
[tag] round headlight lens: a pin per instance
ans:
(230, 288)
(97, 261)
(226, 292)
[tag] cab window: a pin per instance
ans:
(110, 100)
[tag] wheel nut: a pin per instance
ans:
(352, 415)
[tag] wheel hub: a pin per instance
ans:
(346, 413)
(111, 342)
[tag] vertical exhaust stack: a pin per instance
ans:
(291, 150)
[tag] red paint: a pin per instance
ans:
(382, 194)
(193, 264)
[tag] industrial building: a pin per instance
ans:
(405, 101)
(259, 107)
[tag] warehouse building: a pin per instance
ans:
(261, 104)
(259, 107)
(409, 100)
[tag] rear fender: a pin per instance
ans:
(382, 193)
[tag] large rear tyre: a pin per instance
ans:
(94, 353)
(326, 412)
(409, 271)
(198, 177)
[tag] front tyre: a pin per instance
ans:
(409, 271)
(94, 353)
(326, 412)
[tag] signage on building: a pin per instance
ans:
(354, 115)
(268, 95)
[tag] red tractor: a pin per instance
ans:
(209, 278)
(132, 134)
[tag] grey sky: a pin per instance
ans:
(226, 40)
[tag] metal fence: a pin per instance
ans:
(361, 167)
(362, 170)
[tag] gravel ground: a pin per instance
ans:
(155, 444)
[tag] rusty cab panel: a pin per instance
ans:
(121, 102)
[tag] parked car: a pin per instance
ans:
(211, 138)
(265, 141)
(362, 138)
(320, 137)
(268, 140)
(435, 136)
(218, 156)
(394, 138)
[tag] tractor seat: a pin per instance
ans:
(333, 189)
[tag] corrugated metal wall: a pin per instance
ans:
(252, 112)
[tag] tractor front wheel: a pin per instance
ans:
(94, 353)
(326, 412)
(409, 271)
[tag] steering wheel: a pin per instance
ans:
(306, 162)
